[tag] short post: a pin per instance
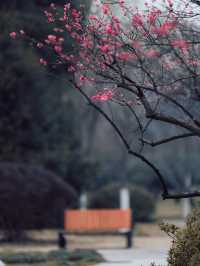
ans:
(124, 198)
(62, 242)
(129, 236)
(124, 205)
(186, 203)
(83, 201)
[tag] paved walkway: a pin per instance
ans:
(133, 257)
(1, 263)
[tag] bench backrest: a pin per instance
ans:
(97, 220)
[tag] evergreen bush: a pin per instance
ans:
(142, 201)
(185, 249)
(32, 198)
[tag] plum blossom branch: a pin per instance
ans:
(142, 63)
(165, 194)
(125, 142)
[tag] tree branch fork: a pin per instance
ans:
(166, 194)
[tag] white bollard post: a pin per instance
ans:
(186, 207)
(186, 203)
(83, 201)
(124, 198)
(124, 205)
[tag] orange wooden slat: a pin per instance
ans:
(97, 220)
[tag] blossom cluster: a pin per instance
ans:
(107, 45)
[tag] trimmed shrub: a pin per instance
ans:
(58, 255)
(32, 198)
(61, 257)
(185, 250)
(23, 257)
(85, 255)
(75, 257)
(142, 202)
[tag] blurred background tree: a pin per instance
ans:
(39, 119)
(39, 130)
(142, 202)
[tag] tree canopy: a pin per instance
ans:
(36, 115)
(146, 62)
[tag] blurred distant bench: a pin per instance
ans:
(106, 221)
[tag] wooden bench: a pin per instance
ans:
(106, 221)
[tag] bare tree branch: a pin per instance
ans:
(166, 140)
(125, 142)
(174, 121)
(182, 195)
(165, 194)
(197, 2)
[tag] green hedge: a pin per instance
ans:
(24, 257)
(142, 202)
(85, 255)
(62, 257)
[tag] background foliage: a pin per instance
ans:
(142, 202)
(185, 248)
(39, 119)
(32, 197)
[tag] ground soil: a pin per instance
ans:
(95, 242)
(144, 236)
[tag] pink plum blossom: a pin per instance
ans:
(137, 20)
(43, 61)
(58, 49)
(13, 35)
(152, 53)
(105, 9)
(52, 39)
(126, 56)
(103, 96)
(40, 45)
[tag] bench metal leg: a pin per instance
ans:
(62, 242)
(129, 236)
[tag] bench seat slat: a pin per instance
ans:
(97, 220)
